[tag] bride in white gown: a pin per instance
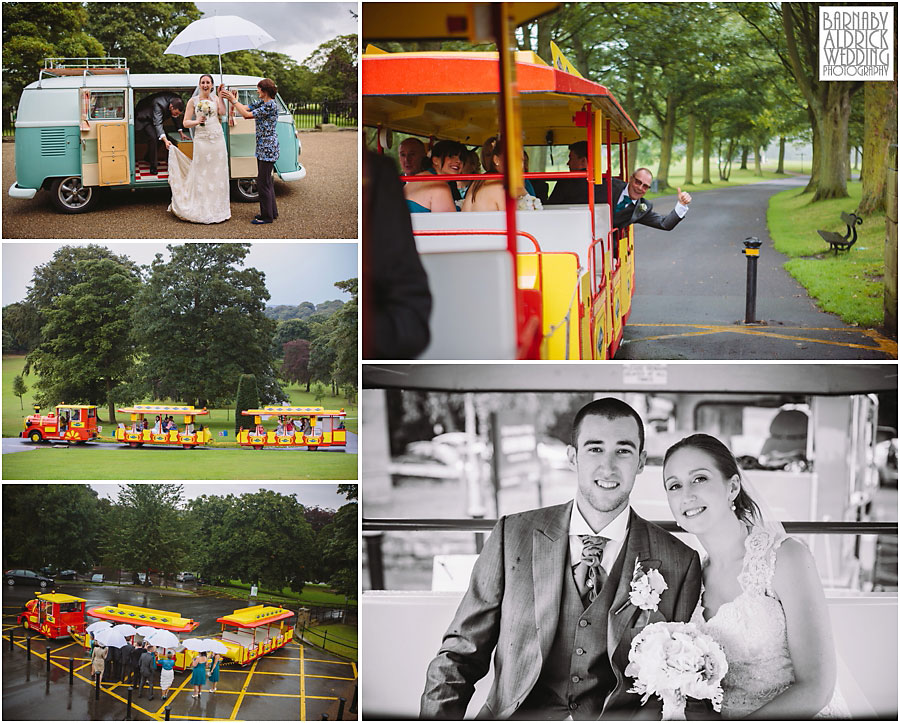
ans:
(200, 186)
(761, 597)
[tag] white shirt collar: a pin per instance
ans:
(616, 530)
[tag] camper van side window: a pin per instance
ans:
(108, 105)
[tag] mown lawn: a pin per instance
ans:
(219, 420)
(336, 638)
(44, 463)
(850, 284)
(312, 594)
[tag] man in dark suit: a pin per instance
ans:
(124, 660)
(149, 115)
(549, 594)
(629, 204)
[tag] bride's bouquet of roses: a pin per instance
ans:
(676, 661)
(205, 110)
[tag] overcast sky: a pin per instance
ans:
(298, 27)
(294, 272)
(309, 495)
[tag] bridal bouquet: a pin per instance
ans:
(675, 661)
(206, 109)
(526, 202)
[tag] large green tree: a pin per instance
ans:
(207, 326)
(339, 545)
(49, 524)
(335, 65)
(256, 538)
(21, 327)
(151, 531)
(86, 349)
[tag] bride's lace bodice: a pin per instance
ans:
(752, 631)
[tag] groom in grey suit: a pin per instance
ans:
(558, 624)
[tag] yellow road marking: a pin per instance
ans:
(302, 686)
(336, 662)
(237, 705)
(882, 344)
(328, 677)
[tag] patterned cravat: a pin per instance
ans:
(589, 575)
(624, 203)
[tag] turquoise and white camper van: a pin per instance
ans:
(75, 133)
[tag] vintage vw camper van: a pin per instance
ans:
(75, 133)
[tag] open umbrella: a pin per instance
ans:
(146, 631)
(194, 644)
(94, 628)
(216, 35)
(214, 646)
(110, 638)
(164, 639)
(125, 629)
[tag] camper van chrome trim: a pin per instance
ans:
(45, 124)
(16, 191)
(293, 175)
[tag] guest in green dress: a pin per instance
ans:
(214, 672)
(198, 678)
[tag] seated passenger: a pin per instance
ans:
(574, 190)
(289, 427)
(413, 157)
(145, 424)
(158, 425)
(435, 197)
(471, 166)
(536, 187)
(260, 430)
(488, 195)
(307, 427)
(279, 429)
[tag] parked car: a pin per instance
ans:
(97, 577)
(66, 575)
(26, 577)
(188, 577)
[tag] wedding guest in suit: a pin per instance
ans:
(549, 594)
(629, 205)
(413, 156)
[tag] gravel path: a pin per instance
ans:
(321, 206)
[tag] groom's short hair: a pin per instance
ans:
(177, 104)
(608, 408)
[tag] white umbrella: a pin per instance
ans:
(214, 646)
(125, 629)
(146, 631)
(216, 35)
(98, 626)
(164, 639)
(110, 638)
(194, 644)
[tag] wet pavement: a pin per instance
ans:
(296, 682)
(17, 444)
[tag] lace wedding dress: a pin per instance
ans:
(200, 187)
(753, 633)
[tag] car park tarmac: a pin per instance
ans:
(296, 682)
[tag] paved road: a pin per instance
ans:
(321, 206)
(16, 444)
(690, 288)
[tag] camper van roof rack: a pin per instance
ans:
(57, 67)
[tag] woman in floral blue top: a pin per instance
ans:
(265, 113)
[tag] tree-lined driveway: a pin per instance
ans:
(690, 290)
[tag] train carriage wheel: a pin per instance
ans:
(134, 445)
(35, 436)
(257, 446)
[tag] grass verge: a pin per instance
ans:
(851, 284)
(317, 595)
(42, 463)
(335, 638)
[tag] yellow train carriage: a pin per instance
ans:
(312, 427)
(250, 633)
(140, 432)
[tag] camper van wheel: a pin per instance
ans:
(245, 190)
(71, 196)
(35, 436)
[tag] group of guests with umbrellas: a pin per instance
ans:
(138, 660)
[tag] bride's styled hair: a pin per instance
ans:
(745, 508)
(211, 79)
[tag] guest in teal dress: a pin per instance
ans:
(198, 678)
(214, 672)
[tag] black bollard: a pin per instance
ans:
(47, 652)
(128, 705)
(12, 642)
(751, 251)
(168, 711)
(341, 704)
(96, 686)
(353, 703)
(28, 644)
(71, 671)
